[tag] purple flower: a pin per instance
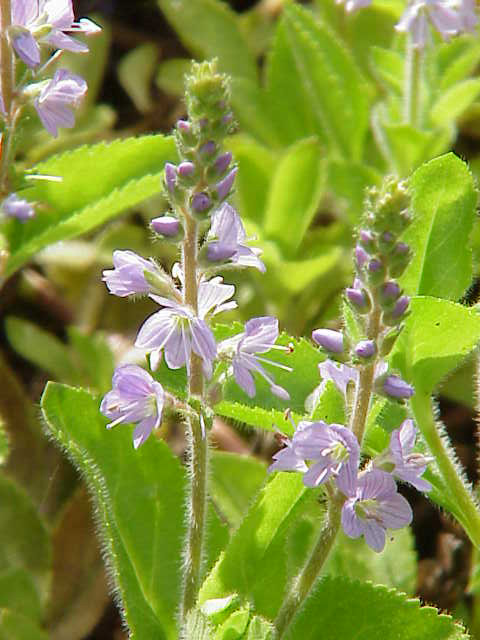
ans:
(330, 340)
(128, 276)
(135, 397)
(177, 331)
(445, 20)
(366, 349)
(466, 13)
(15, 207)
(407, 466)
(287, 459)
(224, 187)
(167, 226)
(373, 507)
(242, 350)
(201, 202)
(354, 5)
(400, 307)
(227, 238)
(339, 374)
(396, 387)
(170, 176)
(46, 22)
(335, 452)
(56, 98)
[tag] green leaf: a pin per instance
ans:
(19, 593)
(129, 490)
(93, 359)
(331, 405)
(457, 60)
(341, 609)
(234, 626)
(25, 540)
(388, 67)
(348, 181)
(257, 547)
(14, 626)
(260, 629)
(210, 29)
(234, 481)
(171, 73)
(335, 86)
(97, 183)
(135, 72)
(452, 103)
(395, 567)
(295, 193)
(289, 106)
(438, 335)
(443, 204)
(409, 146)
(42, 348)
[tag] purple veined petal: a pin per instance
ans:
(248, 257)
(155, 359)
(339, 374)
(350, 521)
(177, 349)
(260, 334)
(59, 12)
(280, 392)
(27, 48)
(395, 512)
(317, 474)
(402, 440)
(157, 329)
(244, 378)
(286, 460)
(24, 12)
(445, 20)
(143, 430)
(203, 342)
(217, 252)
(59, 40)
(212, 294)
(374, 535)
(132, 381)
(54, 103)
(376, 484)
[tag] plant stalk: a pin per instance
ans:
(198, 454)
(7, 83)
(422, 410)
(412, 91)
(306, 579)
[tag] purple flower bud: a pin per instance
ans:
(227, 118)
(222, 162)
(184, 126)
(15, 207)
(390, 290)
(367, 239)
(170, 176)
(374, 266)
(208, 148)
(201, 202)
(224, 187)
(366, 349)
(401, 248)
(400, 306)
(186, 169)
(396, 387)
(166, 226)
(357, 299)
(361, 256)
(329, 340)
(217, 252)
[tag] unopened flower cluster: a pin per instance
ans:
(40, 28)
(448, 17)
(197, 189)
(330, 453)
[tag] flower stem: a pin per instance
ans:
(306, 579)
(7, 81)
(468, 513)
(364, 388)
(198, 446)
(412, 92)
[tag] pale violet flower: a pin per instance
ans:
(445, 19)
(373, 507)
(127, 278)
(334, 451)
(287, 459)
(15, 207)
(56, 99)
(354, 5)
(135, 397)
(243, 352)
(176, 331)
(400, 460)
(227, 240)
(36, 22)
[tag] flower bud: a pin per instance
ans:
(170, 177)
(186, 169)
(361, 256)
(359, 299)
(218, 252)
(329, 340)
(208, 149)
(367, 240)
(375, 271)
(395, 387)
(166, 226)
(401, 306)
(222, 162)
(366, 349)
(386, 241)
(224, 187)
(200, 202)
(388, 294)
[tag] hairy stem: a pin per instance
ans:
(7, 81)
(198, 448)
(306, 579)
(412, 91)
(468, 513)
(364, 388)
